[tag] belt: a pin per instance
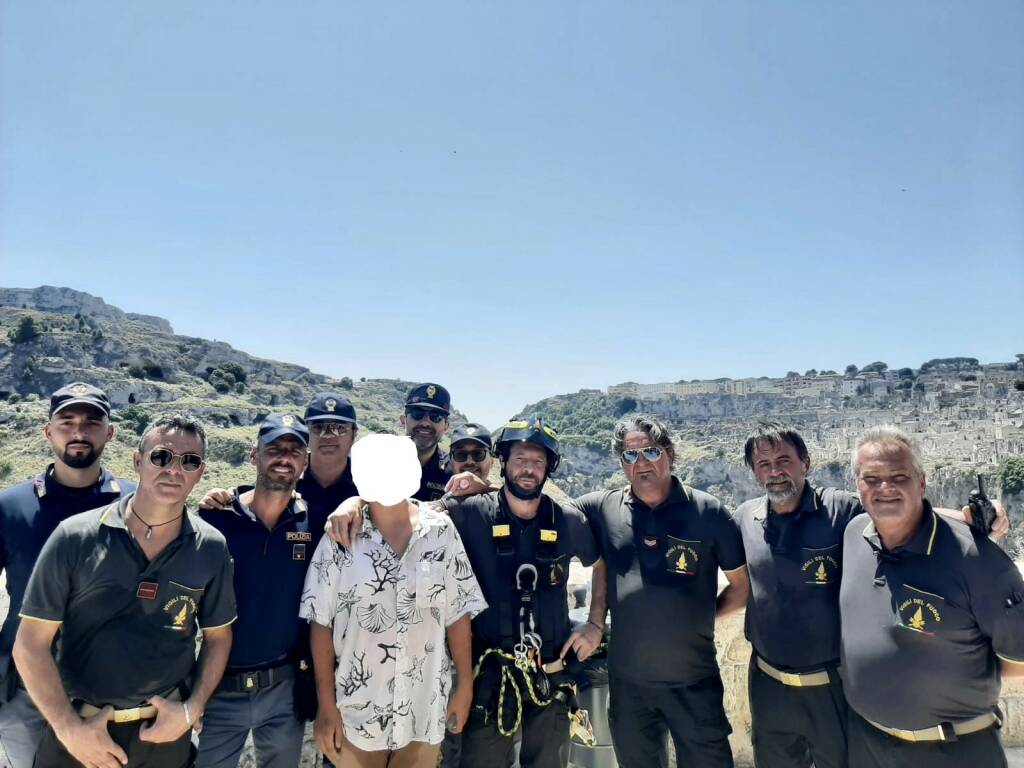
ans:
(252, 681)
(795, 679)
(132, 715)
(942, 731)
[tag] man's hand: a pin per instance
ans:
(89, 742)
(170, 723)
(216, 498)
(1000, 526)
(584, 641)
(343, 522)
(329, 731)
(467, 484)
(458, 705)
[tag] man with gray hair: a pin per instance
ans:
(663, 543)
(932, 616)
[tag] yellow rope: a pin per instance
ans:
(508, 677)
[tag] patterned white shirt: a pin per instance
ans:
(389, 616)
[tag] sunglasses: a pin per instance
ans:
(328, 428)
(421, 414)
(461, 455)
(164, 457)
(632, 455)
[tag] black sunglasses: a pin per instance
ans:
(420, 414)
(632, 455)
(163, 457)
(328, 428)
(463, 454)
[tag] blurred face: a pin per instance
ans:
(471, 456)
(780, 471)
(646, 475)
(890, 488)
(526, 467)
(331, 441)
(78, 435)
(279, 464)
(170, 484)
(421, 426)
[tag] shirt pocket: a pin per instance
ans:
(820, 567)
(430, 585)
(179, 606)
(681, 558)
(920, 611)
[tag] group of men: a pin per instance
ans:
(879, 628)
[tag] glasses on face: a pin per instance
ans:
(322, 428)
(632, 455)
(421, 414)
(164, 457)
(462, 454)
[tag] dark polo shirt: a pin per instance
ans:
(436, 474)
(663, 580)
(128, 625)
(29, 513)
(322, 500)
(923, 623)
(475, 518)
(270, 570)
(795, 563)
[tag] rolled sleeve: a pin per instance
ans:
(49, 586)
(462, 591)
(320, 594)
(997, 601)
(581, 535)
(728, 542)
(218, 605)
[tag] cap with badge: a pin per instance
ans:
(472, 431)
(432, 396)
(278, 425)
(79, 393)
(330, 406)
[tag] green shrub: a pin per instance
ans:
(26, 330)
(1011, 475)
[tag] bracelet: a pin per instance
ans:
(188, 716)
(594, 623)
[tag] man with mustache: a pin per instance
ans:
(268, 532)
(425, 420)
(78, 430)
(932, 615)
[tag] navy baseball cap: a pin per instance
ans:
(79, 393)
(278, 425)
(432, 396)
(330, 406)
(472, 431)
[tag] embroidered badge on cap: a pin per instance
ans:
(287, 420)
(331, 404)
(147, 590)
(431, 391)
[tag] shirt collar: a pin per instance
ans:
(113, 516)
(47, 483)
(921, 543)
(676, 495)
(296, 507)
(370, 531)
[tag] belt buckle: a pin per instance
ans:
(791, 678)
(126, 715)
(250, 681)
(946, 732)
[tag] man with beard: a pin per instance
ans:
(427, 408)
(268, 534)
(78, 429)
(933, 617)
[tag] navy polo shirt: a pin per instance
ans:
(29, 513)
(436, 474)
(663, 580)
(128, 624)
(923, 624)
(795, 563)
(322, 500)
(270, 570)
(475, 518)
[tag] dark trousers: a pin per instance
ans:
(141, 754)
(796, 727)
(871, 748)
(642, 717)
(545, 740)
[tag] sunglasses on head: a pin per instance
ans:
(328, 427)
(164, 457)
(421, 414)
(632, 455)
(464, 454)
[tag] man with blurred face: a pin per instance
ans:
(78, 430)
(425, 420)
(932, 616)
(128, 586)
(268, 532)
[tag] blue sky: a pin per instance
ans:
(523, 199)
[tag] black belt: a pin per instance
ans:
(254, 680)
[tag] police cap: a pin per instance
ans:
(432, 396)
(472, 431)
(330, 406)
(278, 425)
(79, 393)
